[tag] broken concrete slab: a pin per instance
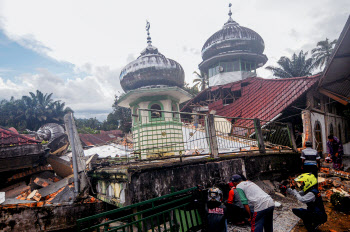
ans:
(8, 188)
(14, 192)
(62, 167)
(56, 186)
(14, 201)
(66, 195)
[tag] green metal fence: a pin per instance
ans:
(172, 212)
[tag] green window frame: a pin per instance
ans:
(151, 117)
(135, 110)
(176, 117)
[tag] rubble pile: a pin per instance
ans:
(334, 182)
(44, 189)
(331, 182)
(50, 182)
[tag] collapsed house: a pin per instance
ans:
(37, 178)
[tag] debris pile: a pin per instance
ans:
(43, 189)
(332, 182)
(51, 181)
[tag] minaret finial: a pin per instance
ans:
(149, 41)
(229, 13)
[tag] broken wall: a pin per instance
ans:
(128, 185)
(48, 218)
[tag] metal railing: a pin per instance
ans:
(172, 212)
(161, 134)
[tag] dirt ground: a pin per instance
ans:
(337, 221)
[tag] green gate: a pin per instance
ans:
(172, 212)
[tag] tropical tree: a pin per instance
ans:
(298, 66)
(322, 53)
(31, 112)
(201, 82)
(120, 118)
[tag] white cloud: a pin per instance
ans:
(91, 96)
(101, 37)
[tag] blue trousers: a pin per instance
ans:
(263, 220)
(311, 219)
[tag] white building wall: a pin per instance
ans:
(319, 117)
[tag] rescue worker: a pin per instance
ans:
(216, 211)
(263, 204)
(310, 159)
(315, 213)
(237, 203)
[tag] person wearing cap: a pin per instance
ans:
(262, 218)
(310, 159)
(236, 203)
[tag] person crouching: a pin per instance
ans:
(216, 211)
(315, 213)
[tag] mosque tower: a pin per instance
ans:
(154, 82)
(232, 54)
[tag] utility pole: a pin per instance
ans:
(212, 139)
(77, 151)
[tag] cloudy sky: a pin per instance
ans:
(76, 49)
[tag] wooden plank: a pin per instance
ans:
(333, 96)
(259, 135)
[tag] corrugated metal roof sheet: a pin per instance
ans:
(264, 98)
(10, 138)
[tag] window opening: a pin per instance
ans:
(156, 114)
(318, 137)
(174, 109)
(317, 103)
(136, 112)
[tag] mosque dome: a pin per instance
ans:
(233, 37)
(233, 41)
(151, 68)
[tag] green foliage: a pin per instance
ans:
(87, 130)
(31, 112)
(322, 53)
(298, 66)
(340, 202)
(201, 81)
(91, 123)
(193, 90)
(119, 119)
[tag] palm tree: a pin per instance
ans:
(59, 110)
(322, 53)
(41, 109)
(201, 81)
(298, 66)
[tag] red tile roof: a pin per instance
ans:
(260, 98)
(99, 139)
(113, 132)
(263, 98)
(10, 138)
